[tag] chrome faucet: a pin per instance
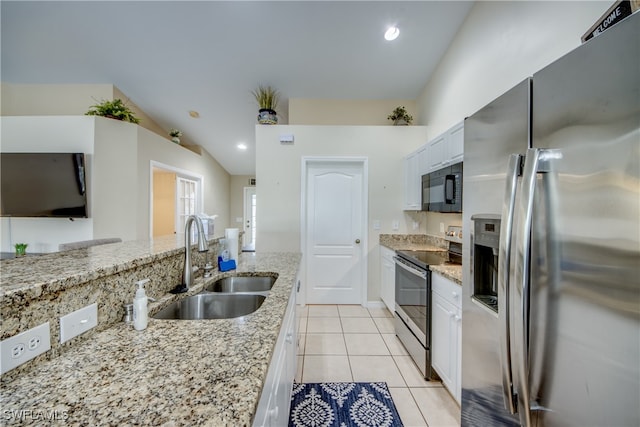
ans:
(187, 274)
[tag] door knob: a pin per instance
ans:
(358, 241)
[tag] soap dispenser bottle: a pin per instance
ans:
(140, 314)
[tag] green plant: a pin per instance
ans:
(266, 97)
(115, 109)
(21, 248)
(400, 113)
(175, 133)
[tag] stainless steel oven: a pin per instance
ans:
(413, 305)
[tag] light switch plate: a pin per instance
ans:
(395, 225)
(376, 224)
(24, 346)
(78, 322)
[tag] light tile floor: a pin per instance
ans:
(351, 343)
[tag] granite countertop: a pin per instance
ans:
(60, 270)
(399, 242)
(452, 272)
(176, 372)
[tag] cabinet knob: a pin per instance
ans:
(357, 241)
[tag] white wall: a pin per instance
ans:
(278, 189)
(114, 176)
(48, 134)
(500, 44)
(118, 159)
(368, 112)
(216, 179)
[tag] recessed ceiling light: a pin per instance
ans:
(392, 33)
(194, 114)
(241, 146)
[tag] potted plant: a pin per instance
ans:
(175, 135)
(267, 99)
(115, 109)
(400, 117)
(21, 249)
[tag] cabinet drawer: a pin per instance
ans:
(447, 289)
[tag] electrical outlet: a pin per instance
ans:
(442, 227)
(24, 346)
(416, 225)
(395, 225)
(78, 322)
(376, 224)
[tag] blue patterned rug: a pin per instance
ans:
(342, 405)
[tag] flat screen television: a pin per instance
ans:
(43, 185)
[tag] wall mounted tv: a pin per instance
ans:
(43, 185)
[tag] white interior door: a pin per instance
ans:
(249, 239)
(335, 228)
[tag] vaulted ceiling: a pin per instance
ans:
(170, 57)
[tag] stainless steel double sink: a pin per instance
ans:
(225, 298)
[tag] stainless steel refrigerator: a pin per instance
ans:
(551, 211)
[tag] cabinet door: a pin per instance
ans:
(437, 153)
(412, 185)
(423, 162)
(444, 338)
(455, 145)
(387, 278)
(275, 401)
(458, 360)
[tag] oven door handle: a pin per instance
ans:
(414, 271)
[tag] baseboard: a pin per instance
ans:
(375, 304)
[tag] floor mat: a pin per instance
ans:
(343, 405)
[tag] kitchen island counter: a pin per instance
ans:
(176, 372)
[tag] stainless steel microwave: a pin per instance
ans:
(442, 189)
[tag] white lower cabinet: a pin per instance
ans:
(275, 401)
(446, 326)
(388, 278)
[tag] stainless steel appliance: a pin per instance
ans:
(484, 270)
(557, 159)
(413, 302)
(442, 189)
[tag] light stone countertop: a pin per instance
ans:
(57, 271)
(176, 372)
(399, 242)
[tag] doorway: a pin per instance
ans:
(334, 229)
(175, 194)
(249, 239)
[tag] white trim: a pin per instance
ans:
(375, 304)
(181, 173)
(364, 240)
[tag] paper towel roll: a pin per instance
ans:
(231, 235)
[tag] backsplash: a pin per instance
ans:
(31, 301)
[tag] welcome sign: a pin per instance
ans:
(616, 13)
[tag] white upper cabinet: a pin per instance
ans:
(456, 143)
(441, 151)
(412, 182)
(447, 148)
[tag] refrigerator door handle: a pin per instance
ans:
(536, 160)
(506, 233)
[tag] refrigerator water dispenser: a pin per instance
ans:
(486, 242)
